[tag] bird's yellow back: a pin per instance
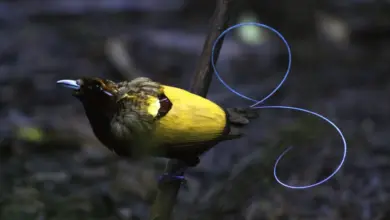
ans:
(192, 119)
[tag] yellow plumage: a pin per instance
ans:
(191, 119)
(153, 105)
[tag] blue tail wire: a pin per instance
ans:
(288, 149)
(258, 102)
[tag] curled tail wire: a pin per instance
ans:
(230, 88)
(257, 102)
(288, 149)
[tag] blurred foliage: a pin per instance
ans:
(251, 35)
(30, 134)
(23, 203)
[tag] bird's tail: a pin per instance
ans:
(237, 118)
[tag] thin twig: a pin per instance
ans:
(166, 196)
(116, 52)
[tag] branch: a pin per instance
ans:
(166, 196)
(117, 54)
(203, 74)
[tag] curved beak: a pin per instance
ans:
(68, 83)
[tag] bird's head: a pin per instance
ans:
(94, 92)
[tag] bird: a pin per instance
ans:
(141, 117)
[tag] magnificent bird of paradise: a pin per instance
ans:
(142, 117)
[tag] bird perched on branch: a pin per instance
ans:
(145, 118)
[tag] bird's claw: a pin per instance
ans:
(168, 177)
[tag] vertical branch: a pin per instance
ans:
(166, 196)
(116, 52)
(203, 74)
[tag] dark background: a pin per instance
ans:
(52, 167)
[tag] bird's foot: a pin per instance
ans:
(172, 177)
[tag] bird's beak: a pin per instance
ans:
(71, 84)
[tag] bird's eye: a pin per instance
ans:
(95, 87)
